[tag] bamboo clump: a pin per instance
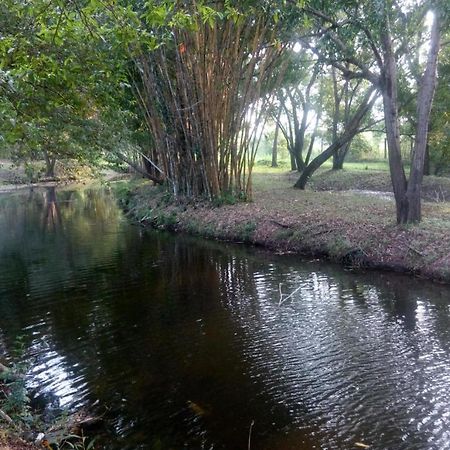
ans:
(204, 97)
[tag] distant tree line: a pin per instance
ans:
(181, 90)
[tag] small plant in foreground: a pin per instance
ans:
(76, 442)
(15, 402)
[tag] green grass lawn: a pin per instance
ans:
(362, 176)
(263, 165)
(363, 165)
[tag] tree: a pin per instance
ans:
(296, 102)
(408, 192)
(352, 127)
(369, 40)
(204, 93)
(58, 76)
(345, 95)
(274, 162)
(439, 126)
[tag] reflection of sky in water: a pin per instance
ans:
(149, 323)
(53, 376)
(339, 355)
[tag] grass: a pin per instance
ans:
(263, 166)
(329, 219)
(370, 165)
(352, 177)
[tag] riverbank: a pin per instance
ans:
(354, 227)
(25, 427)
(14, 178)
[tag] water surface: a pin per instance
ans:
(186, 344)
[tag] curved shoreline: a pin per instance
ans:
(63, 183)
(9, 188)
(344, 227)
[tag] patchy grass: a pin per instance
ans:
(369, 165)
(263, 165)
(436, 189)
(343, 180)
(347, 226)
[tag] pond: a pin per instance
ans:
(184, 343)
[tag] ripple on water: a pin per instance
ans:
(355, 370)
(189, 342)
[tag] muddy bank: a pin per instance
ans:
(352, 228)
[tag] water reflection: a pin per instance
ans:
(186, 343)
(51, 219)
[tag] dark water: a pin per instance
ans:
(186, 344)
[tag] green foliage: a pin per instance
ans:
(68, 71)
(359, 148)
(122, 191)
(16, 402)
(58, 79)
(439, 135)
(166, 221)
(265, 165)
(246, 230)
(227, 198)
(76, 442)
(31, 172)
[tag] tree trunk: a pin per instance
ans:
(424, 102)
(300, 139)
(339, 156)
(275, 140)
(391, 119)
(313, 138)
(426, 166)
(298, 150)
(50, 162)
(293, 162)
(350, 131)
(316, 163)
(338, 162)
(137, 167)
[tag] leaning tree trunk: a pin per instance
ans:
(317, 162)
(424, 102)
(351, 129)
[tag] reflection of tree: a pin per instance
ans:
(35, 263)
(51, 219)
(350, 336)
(148, 322)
